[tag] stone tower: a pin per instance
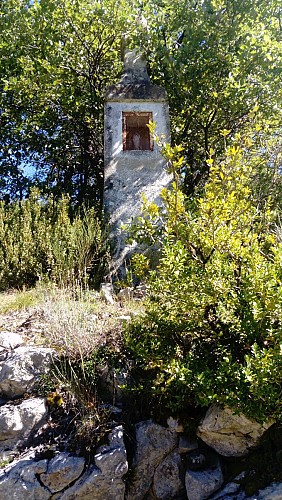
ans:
(133, 162)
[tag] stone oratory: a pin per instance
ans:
(133, 161)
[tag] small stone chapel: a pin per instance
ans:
(133, 162)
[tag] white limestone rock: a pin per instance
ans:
(20, 481)
(111, 459)
(272, 492)
(154, 443)
(9, 341)
(169, 478)
(232, 490)
(18, 421)
(39, 480)
(105, 481)
(201, 484)
(230, 435)
(61, 471)
(229, 491)
(21, 369)
(95, 486)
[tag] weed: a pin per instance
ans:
(3, 463)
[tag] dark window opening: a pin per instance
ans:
(135, 133)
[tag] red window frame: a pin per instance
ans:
(135, 133)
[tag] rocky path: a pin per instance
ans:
(37, 463)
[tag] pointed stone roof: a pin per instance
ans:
(135, 83)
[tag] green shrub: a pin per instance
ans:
(39, 239)
(213, 325)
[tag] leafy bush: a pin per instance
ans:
(39, 239)
(213, 326)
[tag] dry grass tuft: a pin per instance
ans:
(78, 325)
(73, 321)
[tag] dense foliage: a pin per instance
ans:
(217, 60)
(56, 60)
(212, 330)
(39, 240)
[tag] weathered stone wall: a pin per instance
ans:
(167, 464)
(128, 174)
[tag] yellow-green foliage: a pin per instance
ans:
(213, 325)
(39, 239)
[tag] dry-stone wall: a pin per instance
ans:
(166, 465)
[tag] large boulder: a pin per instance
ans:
(28, 478)
(111, 458)
(104, 479)
(21, 369)
(20, 481)
(234, 490)
(153, 444)
(168, 480)
(229, 434)
(61, 471)
(17, 421)
(95, 486)
(272, 492)
(231, 490)
(201, 484)
(64, 476)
